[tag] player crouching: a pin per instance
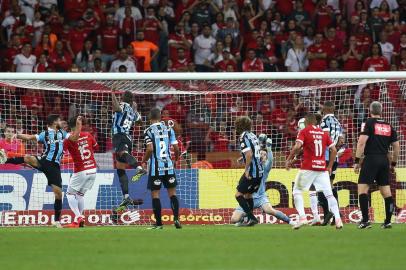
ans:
(261, 200)
(82, 152)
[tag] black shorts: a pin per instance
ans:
(51, 170)
(375, 169)
(121, 142)
(155, 182)
(248, 185)
(333, 171)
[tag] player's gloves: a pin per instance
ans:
(3, 156)
(268, 142)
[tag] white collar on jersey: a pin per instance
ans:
(328, 115)
(157, 123)
(51, 129)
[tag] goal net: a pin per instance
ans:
(203, 109)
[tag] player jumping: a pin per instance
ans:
(125, 114)
(49, 161)
(84, 174)
(261, 200)
(250, 181)
(158, 139)
(313, 169)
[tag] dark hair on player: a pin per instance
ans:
(318, 118)
(128, 97)
(328, 107)
(52, 118)
(310, 119)
(155, 114)
(243, 123)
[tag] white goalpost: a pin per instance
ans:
(203, 108)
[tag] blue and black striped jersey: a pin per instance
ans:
(53, 144)
(249, 142)
(330, 124)
(161, 137)
(123, 121)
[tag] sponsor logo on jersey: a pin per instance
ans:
(383, 130)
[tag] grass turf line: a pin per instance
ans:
(203, 247)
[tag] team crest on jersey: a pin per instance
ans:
(157, 182)
(172, 180)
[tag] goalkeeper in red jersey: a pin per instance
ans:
(84, 173)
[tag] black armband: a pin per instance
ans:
(393, 164)
(357, 160)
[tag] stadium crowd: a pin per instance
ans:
(201, 36)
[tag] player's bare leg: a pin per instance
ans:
(268, 209)
(237, 217)
(156, 207)
(389, 206)
(363, 199)
(175, 207)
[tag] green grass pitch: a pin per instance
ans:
(203, 247)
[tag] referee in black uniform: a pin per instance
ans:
(376, 137)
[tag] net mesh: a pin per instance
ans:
(204, 113)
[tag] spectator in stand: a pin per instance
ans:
(203, 46)
(42, 64)
(151, 26)
(291, 125)
(146, 50)
(97, 66)
(215, 57)
(301, 17)
(386, 47)
(9, 22)
(13, 147)
(284, 7)
(252, 63)
(228, 63)
(203, 11)
(219, 138)
(324, 15)
(176, 110)
(376, 23)
(279, 115)
(107, 39)
(24, 29)
(178, 40)
(127, 28)
(232, 48)
(317, 54)
(91, 19)
(74, 10)
(14, 47)
(296, 59)
(180, 63)
(376, 62)
(260, 125)
(123, 60)
(392, 4)
(77, 37)
(402, 60)
(219, 24)
(60, 59)
(230, 9)
(25, 61)
(46, 5)
(333, 44)
(352, 56)
(38, 25)
(33, 100)
(333, 65)
(309, 37)
(85, 56)
(135, 12)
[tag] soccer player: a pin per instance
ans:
(84, 173)
(125, 114)
(261, 200)
(332, 127)
(250, 181)
(49, 161)
(158, 139)
(376, 137)
(313, 169)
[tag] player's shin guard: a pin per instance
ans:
(58, 209)
(298, 199)
(364, 205)
(156, 207)
(389, 207)
(15, 160)
(333, 205)
(244, 205)
(175, 207)
(130, 160)
(282, 216)
(314, 204)
(323, 202)
(122, 176)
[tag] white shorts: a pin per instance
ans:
(306, 178)
(82, 181)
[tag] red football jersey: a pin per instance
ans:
(315, 142)
(82, 151)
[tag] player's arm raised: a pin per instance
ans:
(27, 137)
(114, 100)
(360, 151)
(74, 136)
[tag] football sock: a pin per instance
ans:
(313, 204)
(335, 193)
(333, 205)
(15, 160)
(389, 207)
(81, 203)
(175, 207)
(298, 199)
(250, 202)
(58, 209)
(364, 205)
(73, 203)
(323, 202)
(130, 160)
(244, 205)
(122, 176)
(282, 216)
(156, 207)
